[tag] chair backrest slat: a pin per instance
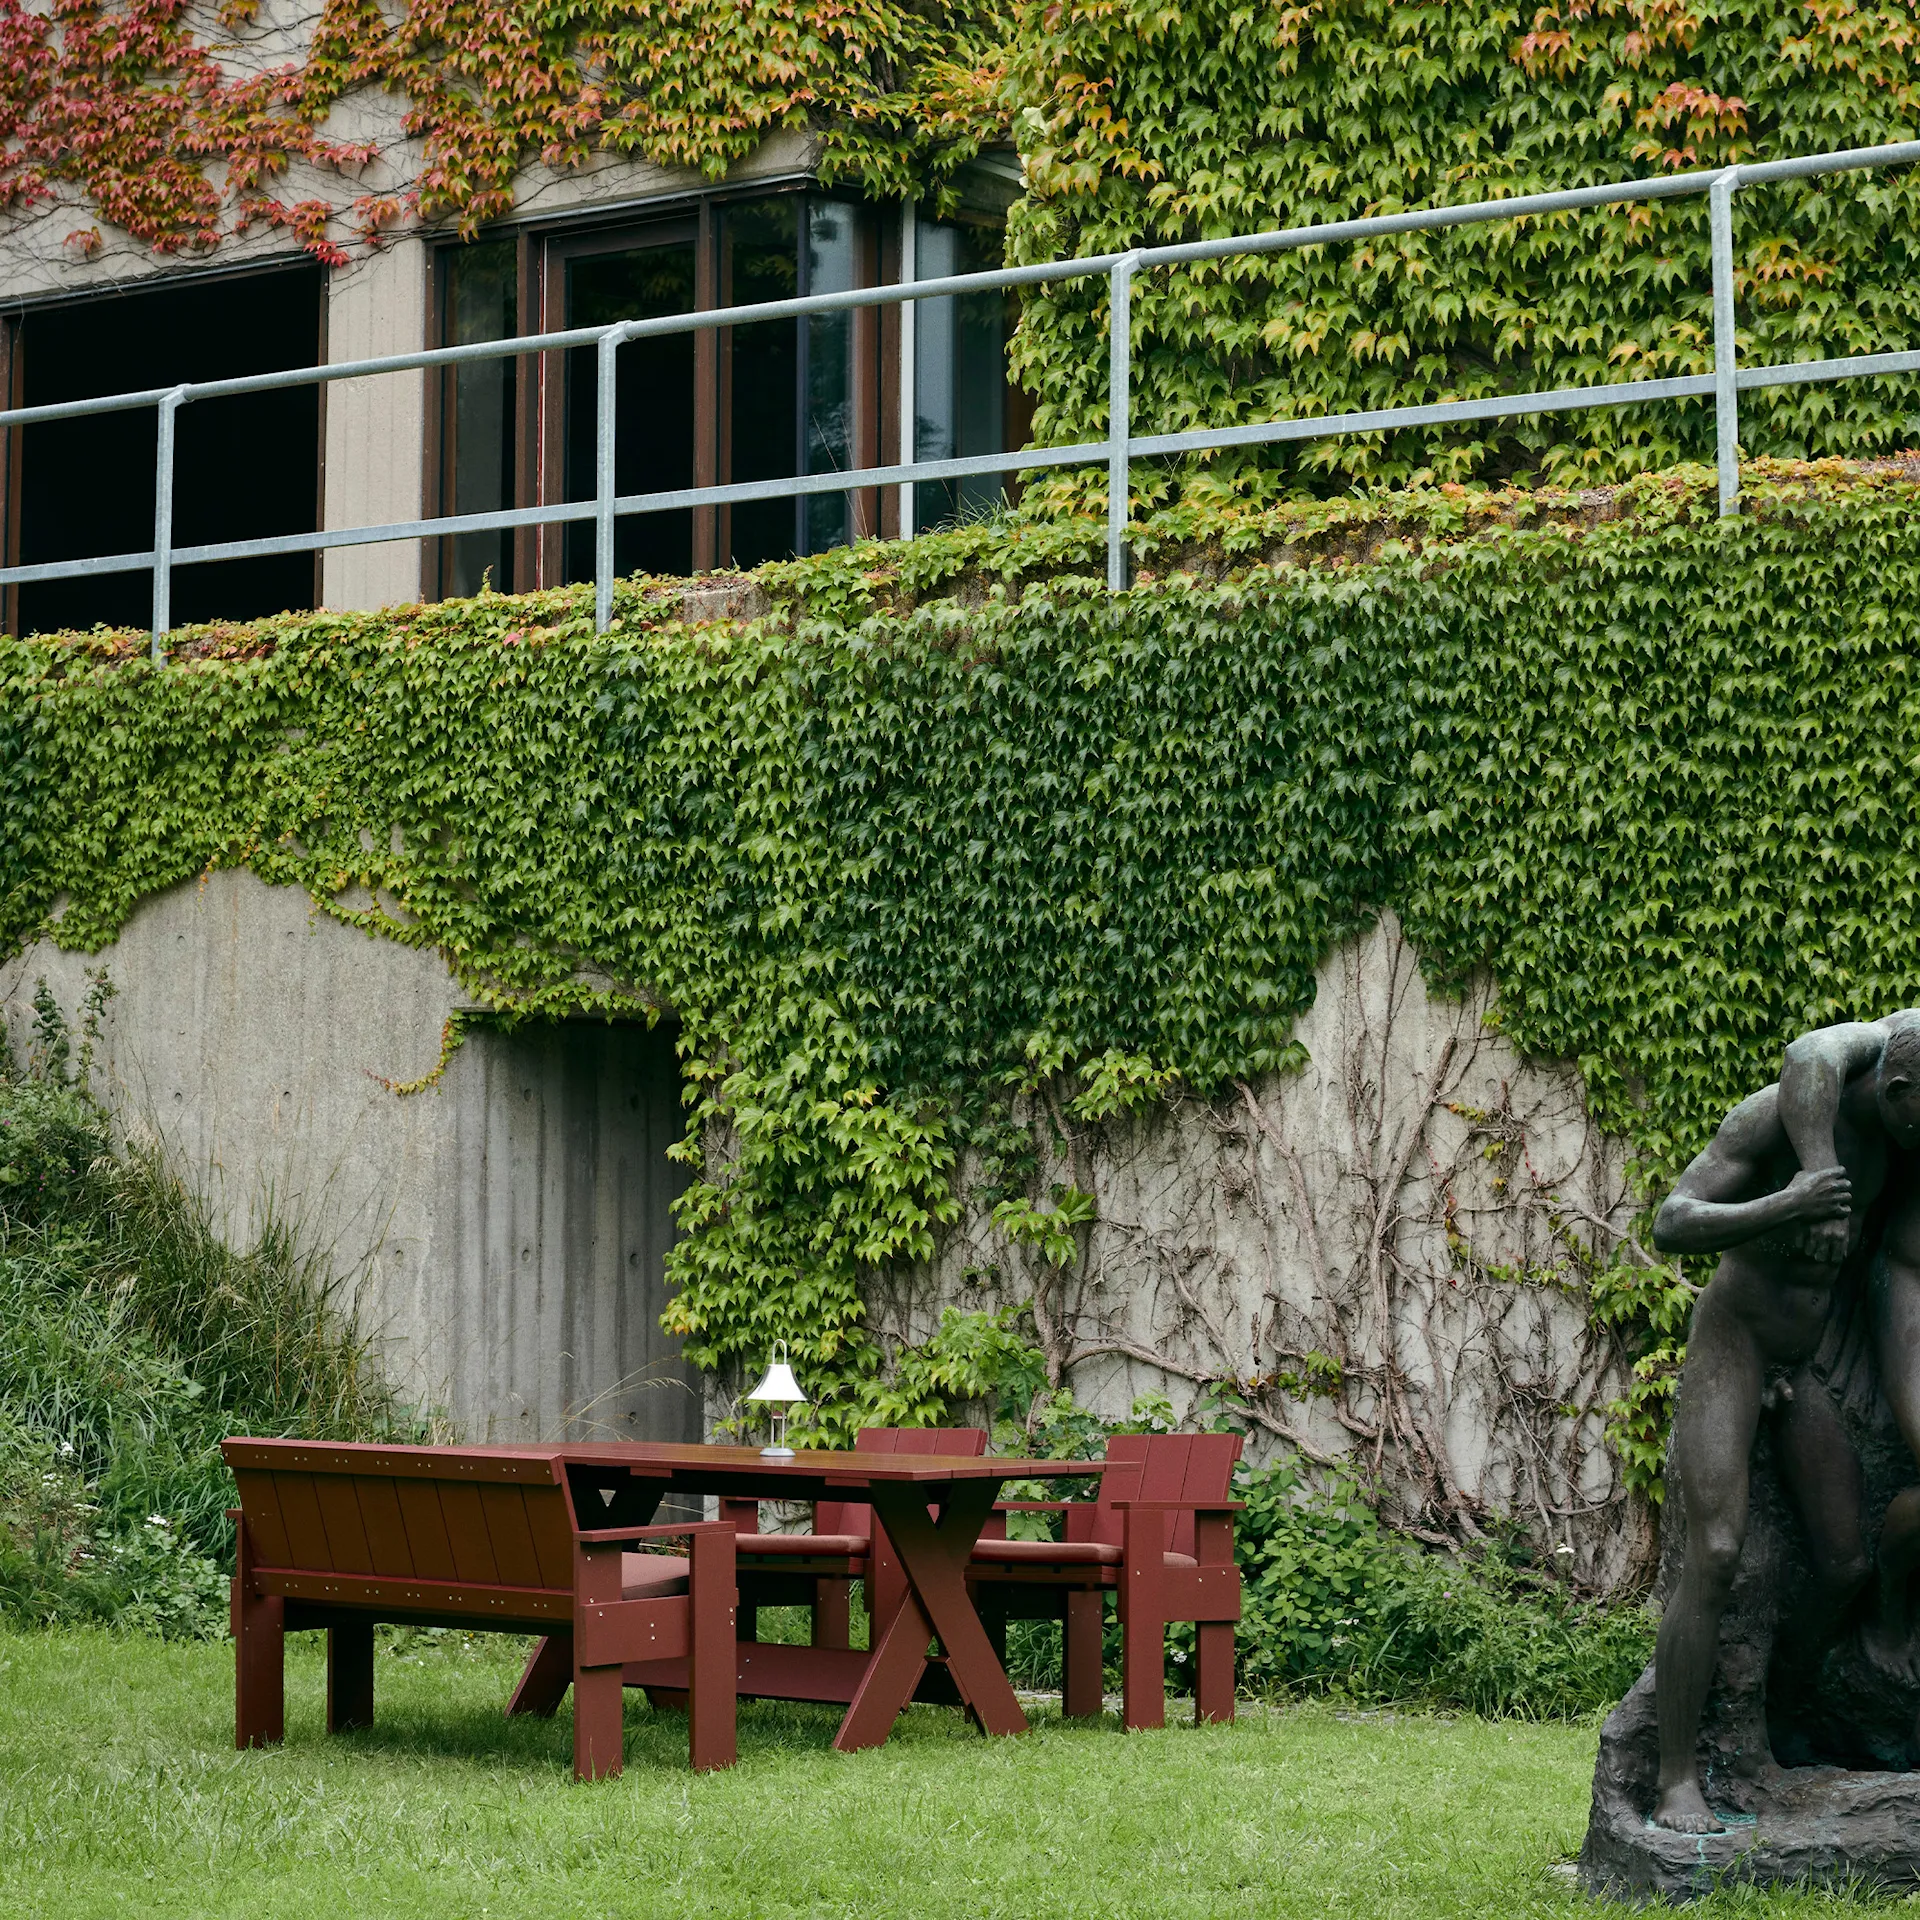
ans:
(855, 1516)
(1164, 1466)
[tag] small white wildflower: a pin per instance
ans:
(156, 1519)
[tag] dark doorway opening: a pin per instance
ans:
(245, 467)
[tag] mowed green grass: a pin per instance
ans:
(120, 1793)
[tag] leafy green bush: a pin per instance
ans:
(1334, 1603)
(132, 1341)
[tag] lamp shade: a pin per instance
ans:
(779, 1386)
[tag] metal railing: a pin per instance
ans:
(1116, 451)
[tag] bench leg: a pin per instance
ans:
(259, 1653)
(833, 1613)
(597, 1704)
(260, 1690)
(712, 1662)
(1213, 1684)
(545, 1678)
(1081, 1656)
(349, 1677)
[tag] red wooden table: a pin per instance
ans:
(626, 1483)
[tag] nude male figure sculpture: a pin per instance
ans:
(1860, 1083)
(1783, 1226)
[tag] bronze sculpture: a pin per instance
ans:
(1789, 1188)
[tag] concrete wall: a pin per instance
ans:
(376, 428)
(1387, 1251)
(504, 1230)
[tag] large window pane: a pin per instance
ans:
(654, 404)
(960, 378)
(87, 484)
(831, 266)
(790, 383)
(762, 372)
(482, 304)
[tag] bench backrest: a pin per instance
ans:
(855, 1516)
(1164, 1466)
(406, 1513)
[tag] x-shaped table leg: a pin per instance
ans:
(933, 1556)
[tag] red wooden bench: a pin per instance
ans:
(1159, 1537)
(504, 1540)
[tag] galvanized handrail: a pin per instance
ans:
(1117, 450)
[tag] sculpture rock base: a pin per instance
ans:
(1785, 1826)
(1808, 1748)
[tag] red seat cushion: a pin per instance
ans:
(1060, 1553)
(652, 1576)
(845, 1546)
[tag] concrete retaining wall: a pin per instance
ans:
(505, 1229)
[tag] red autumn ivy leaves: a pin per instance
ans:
(125, 108)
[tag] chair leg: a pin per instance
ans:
(259, 1668)
(1081, 1654)
(833, 1613)
(545, 1678)
(350, 1677)
(1143, 1624)
(1213, 1684)
(597, 1705)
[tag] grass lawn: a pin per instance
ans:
(120, 1793)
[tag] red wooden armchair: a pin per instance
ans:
(1159, 1538)
(817, 1569)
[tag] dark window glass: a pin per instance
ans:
(831, 266)
(960, 373)
(761, 261)
(482, 304)
(789, 382)
(245, 467)
(654, 404)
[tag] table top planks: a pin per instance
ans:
(645, 1459)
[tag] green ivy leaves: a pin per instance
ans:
(892, 858)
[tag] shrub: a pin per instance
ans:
(132, 1341)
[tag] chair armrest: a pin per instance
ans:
(610, 1536)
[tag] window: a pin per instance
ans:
(245, 467)
(765, 401)
(963, 404)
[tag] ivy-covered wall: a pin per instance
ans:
(1144, 123)
(949, 833)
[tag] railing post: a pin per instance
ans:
(1119, 415)
(603, 436)
(170, 404)
(1726, 392)
(909, 359)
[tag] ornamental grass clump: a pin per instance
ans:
(133, 1339)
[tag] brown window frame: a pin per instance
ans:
(540, 389)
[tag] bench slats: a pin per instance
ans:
(300, 1515)
(426, 1529)
(467, 1534)
(386, 1531)
(346, 1532)
(505, 1512)
(261, 1499)
(552, 1531)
